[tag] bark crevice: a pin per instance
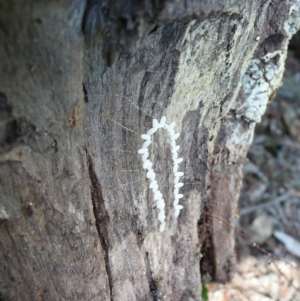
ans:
(102, 219)
(152, 283)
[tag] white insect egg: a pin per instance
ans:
(157, 195)
(153, 184)
(155, 123)
(179, 196)
(176, 214)
(162, 227)
(175, 168)
(147, 164)
(172, 134)
(163, 121)
(176, 191)
(160, 201)
(174, 156)
(145, 156)
(178, 207)
(152, 177)
(146, 143)
(151, 131)
(176, 135)
(142, 150)
(179, 174)
(161, 204)
(178, 160)
(149, 167)
(175, 203)
(176, 180)
(172, 125)
(173, 143)
(150, 173)
(155, 189)
(178, 185)
(161, 216)
(146, 137)
(175, 149)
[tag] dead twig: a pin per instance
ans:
(278, 200)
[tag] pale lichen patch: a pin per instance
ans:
(208, 84)
(292, 24)
(262, 78)
(3, 214)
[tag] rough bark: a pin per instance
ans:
(77, 221)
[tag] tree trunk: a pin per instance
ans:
(80, 83)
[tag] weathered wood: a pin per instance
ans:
(77, 221)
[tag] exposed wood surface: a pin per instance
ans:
(77, 220)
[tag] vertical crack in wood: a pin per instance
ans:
(85, 93)
(152, 283)
(207, 263)
(101, 217)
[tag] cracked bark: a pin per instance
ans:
(101, 218)
(71, 225)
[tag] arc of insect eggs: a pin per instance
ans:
(147, 164)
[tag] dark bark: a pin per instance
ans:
(74, 224)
